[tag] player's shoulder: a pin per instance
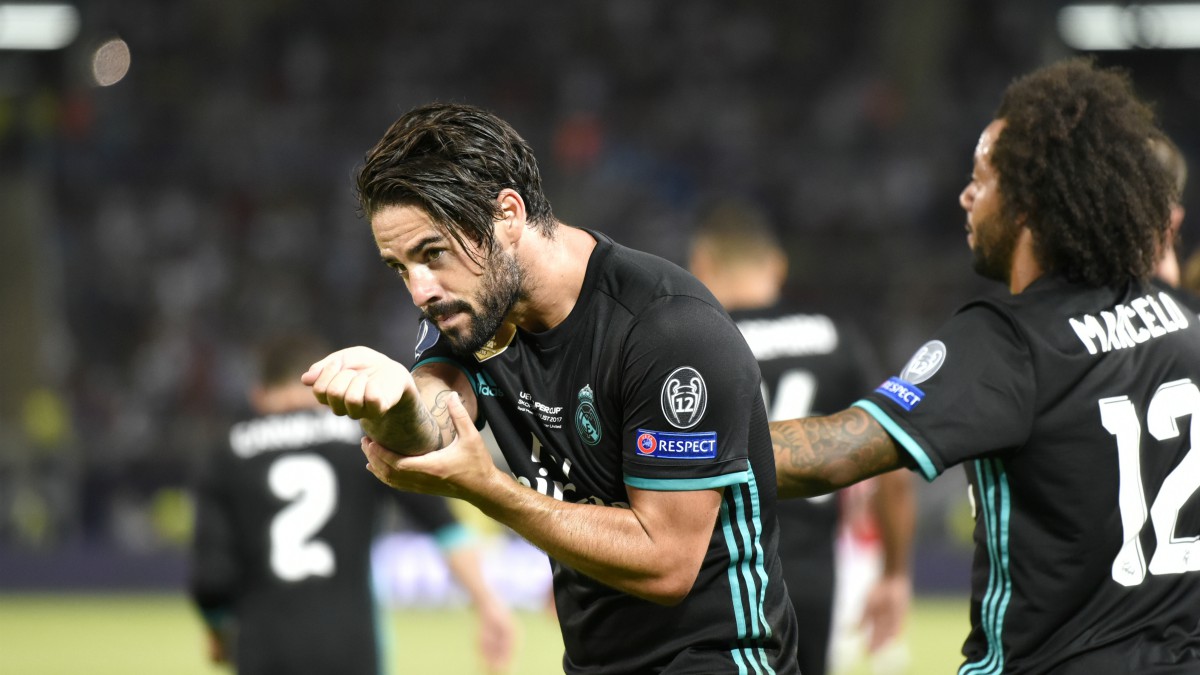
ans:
(1050, 298)
(1063, 314)
(1057, 296)
(639, 280)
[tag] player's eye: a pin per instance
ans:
(434, 254)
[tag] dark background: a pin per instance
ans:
(152, 231)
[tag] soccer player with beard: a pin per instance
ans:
(1070, 401)
(622, 396)
(1171, 159)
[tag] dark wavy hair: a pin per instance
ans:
(1075, 164)
(452, 161)
(281, 358)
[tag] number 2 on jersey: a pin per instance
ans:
(309, 484)
(1173, 555)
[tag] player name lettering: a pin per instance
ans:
(1124, 326)
(795, 335)
(273, 434)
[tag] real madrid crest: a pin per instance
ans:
(587, 420)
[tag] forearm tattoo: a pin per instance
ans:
(413, 428)
(439, 417)
(819, 454)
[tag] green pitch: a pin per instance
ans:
(121, 634)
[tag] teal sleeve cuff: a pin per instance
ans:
(216, 617)
(453, 537)
(443, 359)
(928, 470)
(687, 484)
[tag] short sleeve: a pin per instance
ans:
(689, 386)
(432, 347)
(970, 392)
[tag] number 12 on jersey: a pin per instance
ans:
(1172, 555)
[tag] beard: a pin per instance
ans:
(499, 290)
(995, 242)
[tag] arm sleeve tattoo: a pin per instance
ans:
(815, 455)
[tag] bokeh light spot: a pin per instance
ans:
(111, 62)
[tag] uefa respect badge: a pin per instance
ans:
(677, 444)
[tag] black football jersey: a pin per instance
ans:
(647, 383)
(285, 520)
(1072, 409)
(811, 365)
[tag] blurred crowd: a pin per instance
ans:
(157, 229)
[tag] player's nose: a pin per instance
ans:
(424, 286)
(966, 197)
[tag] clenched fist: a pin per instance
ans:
(359, 382)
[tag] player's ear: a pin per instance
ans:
(700, 262)
(259, 400)
(779, 267)
(511, 221)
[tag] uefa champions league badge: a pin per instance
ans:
(427, 336)
(684, 397)
(925, 363)
(587, 420)
(922, 366)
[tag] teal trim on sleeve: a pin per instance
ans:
(685, 484)
(907, 442)
(443, 359)
(385, 635)
(453, 537)
(216, 617)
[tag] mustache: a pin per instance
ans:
(440, 309)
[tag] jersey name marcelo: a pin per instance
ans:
(1125, 326)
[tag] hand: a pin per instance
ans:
(885, 610)
(463, 469)
(497, 637)
(217, 652)
(358, 382)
